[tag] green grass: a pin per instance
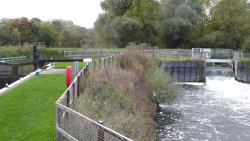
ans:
(27, 112)
(245, 59)
(63, 65)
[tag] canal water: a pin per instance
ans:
(24, 70)
(218, 110)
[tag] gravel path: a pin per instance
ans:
(53, 71)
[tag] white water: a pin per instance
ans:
(218, 110)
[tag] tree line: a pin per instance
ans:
(175, 23)
(162, 23)
(55, 33)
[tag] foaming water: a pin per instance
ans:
(218, 110)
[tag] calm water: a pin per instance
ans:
(218, 110)
(21, 70)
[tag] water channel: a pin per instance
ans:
(24, 70)
(218, 110)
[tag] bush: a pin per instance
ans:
(246, 45)
(161, 85)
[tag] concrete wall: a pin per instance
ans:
(185, 71)
(242, 71)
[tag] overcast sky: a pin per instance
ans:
(81, 12)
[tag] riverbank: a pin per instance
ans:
(125, 95)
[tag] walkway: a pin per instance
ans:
(53, 71)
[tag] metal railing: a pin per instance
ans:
(166, 53)
(214, 54)
(73, 126)
(12, 59)
(78, 54)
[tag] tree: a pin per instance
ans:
(48, 34)
(127, 21)
(23, 25)
(117, 7)
(231, 18)
(179, 19)
(9, 36)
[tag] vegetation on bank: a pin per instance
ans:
(125, 95)
(27, 112)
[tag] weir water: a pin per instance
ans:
(218, 110)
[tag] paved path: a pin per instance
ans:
(53, 71)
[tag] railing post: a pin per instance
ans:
(74, 91)
(100, 63)
(87, 70)
(100, 132)
(94, 65)
(78, 86)
(105, 61)
(68, 98)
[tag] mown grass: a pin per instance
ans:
(63, 65)
(27, 112)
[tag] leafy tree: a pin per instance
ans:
(127, 21)
(117, 7)
(179, 19)
(9, 36)
(231, 18)
(23, 25)
(147, 13)
(48, 34)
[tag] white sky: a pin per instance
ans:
(81, 12)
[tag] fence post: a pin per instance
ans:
(104, 62)
(87, 70)
(73, 86)
(100, 132)
(78, 86)
(94, 65)
(68, 98)
(100, 63)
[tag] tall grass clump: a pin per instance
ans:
(122, 96)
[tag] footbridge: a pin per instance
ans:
(229, 61)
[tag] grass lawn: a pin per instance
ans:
(63, 65)
(27, 113)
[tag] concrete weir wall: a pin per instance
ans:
(185, 71)
(242, 71)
